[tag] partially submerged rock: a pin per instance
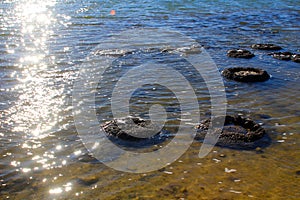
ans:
(266, 47)
(296, 58)
(282, 55)
(238, 132)
(286, 56)
(246, 74)
(239, 53)
(133, 125)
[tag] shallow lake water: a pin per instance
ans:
(42, 47)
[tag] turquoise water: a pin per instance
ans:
(42, 45)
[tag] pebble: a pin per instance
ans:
(259, 150)
(230, 170)
(234, 191)
(216, 160)
(87, 180)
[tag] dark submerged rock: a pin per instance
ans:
(239, 53)
(246, 74)
(266, 47)
(88, 159)
(282, 55)
(238, 132)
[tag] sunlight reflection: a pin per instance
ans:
(66, 188)
(36, 111)
(26, 170)
(56, 190)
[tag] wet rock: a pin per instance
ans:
(239, 53)
(113, 52)
(246, 74)
(238, 132)
(88, 180)
(165, 51)
(132, 124)
(282, 55)
(266, 47)
(296, 58)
